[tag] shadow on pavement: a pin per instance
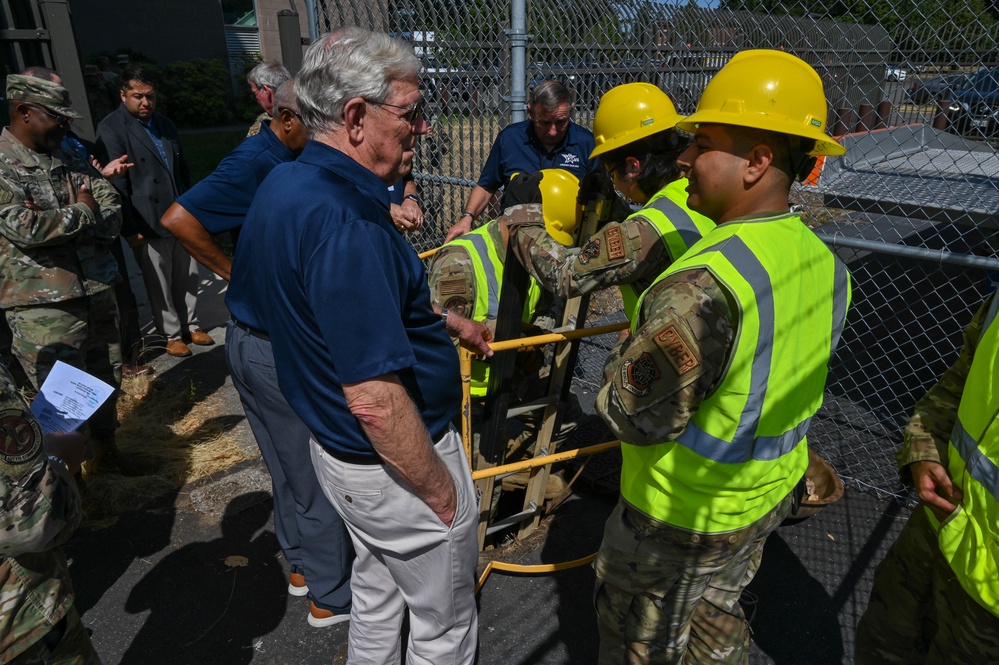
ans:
(208, 601)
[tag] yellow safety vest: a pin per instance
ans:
(487, 265)
(679, 226)
(740, 455)
(969, 538)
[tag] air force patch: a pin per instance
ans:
(638, 375)
(20, 437)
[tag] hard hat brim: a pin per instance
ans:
(825, 145)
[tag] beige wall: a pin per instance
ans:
(371, 14)
(267, 19)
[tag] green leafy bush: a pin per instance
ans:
(196, 93)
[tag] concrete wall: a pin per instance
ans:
(267, 19)
(163, 31)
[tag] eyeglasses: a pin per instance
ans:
(278, 110)
(412, 114)
(64, 121)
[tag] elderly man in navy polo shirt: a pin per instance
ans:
(362, 356)
(548, 140)
(311, 533)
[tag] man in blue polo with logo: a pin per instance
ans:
(548, 140)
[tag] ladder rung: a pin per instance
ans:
(527, 407)
(512, 519)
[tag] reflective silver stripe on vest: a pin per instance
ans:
(990, 316)
(680, 219)
(745, 444)
(479, 241)
(980, 467)
(841, 288)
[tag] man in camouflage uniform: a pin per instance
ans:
(457, 286)
(38, 622)
(638, 146)
(919, 611)
(57, 220)
(713, 392)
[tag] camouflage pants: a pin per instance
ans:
(66, 644)
(82, 332)
(669, 595)
(918, 612)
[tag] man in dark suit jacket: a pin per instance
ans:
(159, 176)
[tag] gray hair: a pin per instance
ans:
(268, 74)
(285, 97)
(348, 63)
(550, 95)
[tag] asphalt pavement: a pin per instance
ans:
(196, 577)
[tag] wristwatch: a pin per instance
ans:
(412, 197)
(444, 316)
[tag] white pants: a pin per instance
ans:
(406, 557)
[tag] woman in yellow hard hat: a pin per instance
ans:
(638, 144)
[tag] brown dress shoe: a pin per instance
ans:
(201, 338)
(132, 371)
(176, 347)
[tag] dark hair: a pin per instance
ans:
(656, 153)
(790, 152)
(39, 72)
(135, 73)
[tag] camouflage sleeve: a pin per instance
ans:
(107, 225)
(39, 502)
(655, 380)
(25, 226)
(928, 431)
(452, 281)
(620, 253)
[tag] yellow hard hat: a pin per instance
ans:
(559, 204)
(769, 90)
(630, 112)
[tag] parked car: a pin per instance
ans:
(895, 73)
(975, 110)
(938, 87)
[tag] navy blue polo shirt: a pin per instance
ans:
(342, 295)
(221, 200)
(518, 150)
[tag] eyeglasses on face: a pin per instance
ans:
(412, 114)
(64, 121)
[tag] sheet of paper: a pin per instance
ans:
(68, 397)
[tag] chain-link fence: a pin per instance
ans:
(913, 89)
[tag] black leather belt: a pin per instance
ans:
(354, 458)
(259, 334)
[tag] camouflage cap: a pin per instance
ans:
(39, 91)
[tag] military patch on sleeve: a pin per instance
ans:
(450, 287)
(6, 197)
(590, 251)
(615, 243)
(20, 437)
(677, 350)
(638, 375)
(458, 305)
